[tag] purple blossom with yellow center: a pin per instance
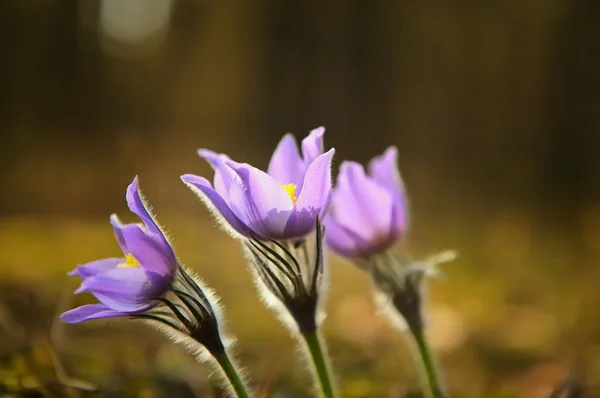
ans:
(282, 203)
(368, 213)
(130, 284)
(277, 214)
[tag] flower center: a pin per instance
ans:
(130, 262)
(290, 189)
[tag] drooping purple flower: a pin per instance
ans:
(283, 203)
(368, 213)
(127, 285)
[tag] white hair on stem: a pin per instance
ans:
(283, 314)
(324, 281)
(199, 352)
(195, 348)
(269, 298)
(387, 310)
(304, 350)
(306, 276)
(430, 269)
(312, 272)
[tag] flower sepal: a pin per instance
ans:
(290, 275)
(400, 285)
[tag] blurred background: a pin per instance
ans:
(495, 109)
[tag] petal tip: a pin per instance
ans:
(348, 166)
(188, 178)
(317, 132)
(137, 203)
(80, 289)
(194, 180)
(115, 220)
(213, 158)
(288, 136)
(206, 153)
(65, 318)
(134, 185)
(391, 150)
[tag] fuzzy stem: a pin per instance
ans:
(232, 375)
(319, 360)
(432, 384)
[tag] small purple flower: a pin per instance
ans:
(283, 203)
(368, 213)
(129, 285)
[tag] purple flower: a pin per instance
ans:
(283, 203)
(368, 213)
(128, 285)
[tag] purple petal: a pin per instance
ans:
(312, 145)
(343, 241)
(118, 231)
(213, 158)
(139, 208)
(361, 205)
(259, 201)
(89, 312)
(126, 289)
(223, 174)
(384, 170)
(314, 198)
(216, 204)
(95, 267)
(152, 251)
(286, 165)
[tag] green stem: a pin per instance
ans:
(433, 382)
(318, 357)
(234, 379)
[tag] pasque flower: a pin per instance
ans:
(368, 216)
(276, 217)
(282, 203)
(369, 211)
(129, 284)
(148, 283)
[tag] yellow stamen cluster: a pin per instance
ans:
(130, 262)
(290, 189)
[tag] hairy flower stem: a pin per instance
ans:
(319, 360)
(431, 384)
(232, 375)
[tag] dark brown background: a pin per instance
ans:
(494, 106)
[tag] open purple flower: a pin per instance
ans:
(369, 211)
(283, 203)
(127, 285)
